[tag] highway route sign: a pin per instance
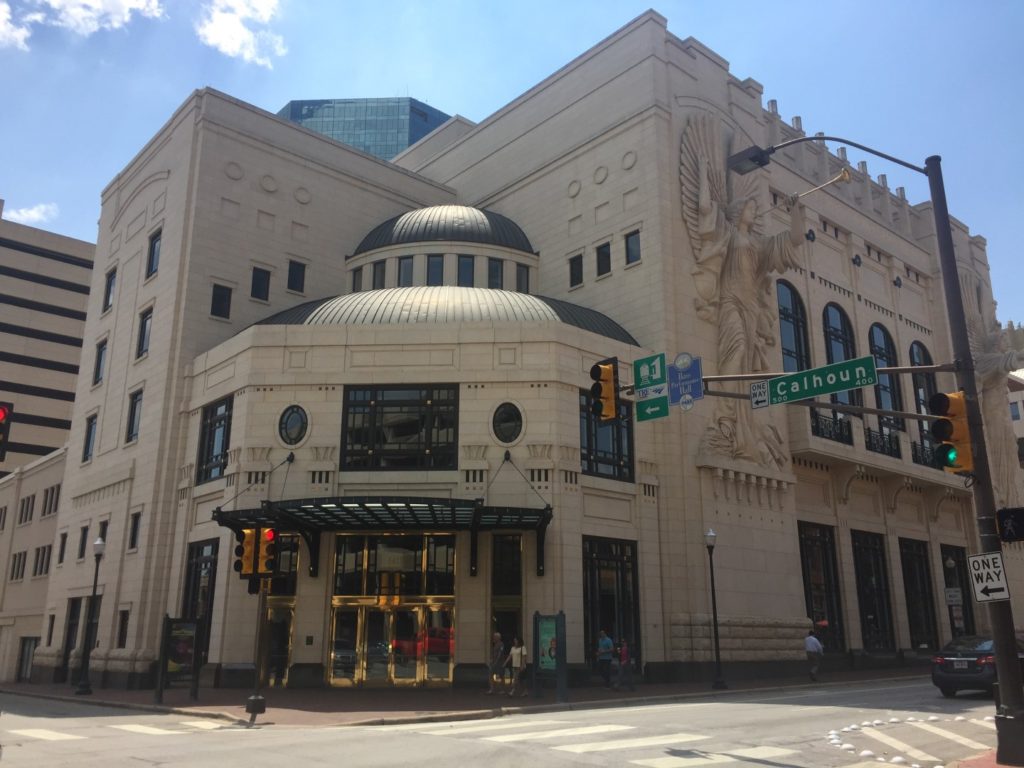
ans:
(988, 577)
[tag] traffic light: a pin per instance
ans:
(245, 552)
(951, 433)
(6, 415)
(267, 563)
(604, 394)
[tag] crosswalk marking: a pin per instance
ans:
(43, 733)
(439, 729)
(714, 758)
(146, 729)
(203, 725)
(644, 741)
(950, 735)
(985, 724)
(896, 744)
(584, 731)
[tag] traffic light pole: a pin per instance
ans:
(1010, 721)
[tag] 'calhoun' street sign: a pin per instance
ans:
(838, 377)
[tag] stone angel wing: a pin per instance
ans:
(701, 145)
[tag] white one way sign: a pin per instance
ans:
(988, 577)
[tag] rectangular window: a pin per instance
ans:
(214, 439)
(633, 247)
(604, 259)
(145, 327)
(90, 437)
(296, 276)
(3, 518)
(260, 284)
(394, 565)
(220, 301)
(18, 565)
(400, 427)
(522, 278)
(404, 271)
(495, 273)
(153, 255)
(62, 547)
(133, 530)
(83, 540)
(122, 629)
(108, 289)
(435, 269)
(576, 270)
(465, 276)
(51, 498)
(1015, 411)
(26, 509)
(103, 529)
(41, 564)
(100, 363)
(49, 629)
(134, 416)
(357, 280)
(379, 274)
(606, 447)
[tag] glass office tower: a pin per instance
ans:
(381, 127)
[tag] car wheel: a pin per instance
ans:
(949, 693)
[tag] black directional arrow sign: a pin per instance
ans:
(992, 590)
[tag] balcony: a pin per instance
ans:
(884, 442)
(922, 454)
(831, 427)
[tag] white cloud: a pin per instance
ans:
(37, 214)
(228, 26)
(11, 35)
(84, 17)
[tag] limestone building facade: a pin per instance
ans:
(387, 365)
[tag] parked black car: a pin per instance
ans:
(967, 664)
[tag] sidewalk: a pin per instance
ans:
(346, 706)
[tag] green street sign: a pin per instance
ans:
(652, 408)
(650, 371)
(838, 377)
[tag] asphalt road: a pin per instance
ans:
(900, 722)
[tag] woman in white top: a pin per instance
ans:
(517, 660)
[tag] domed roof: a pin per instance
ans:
(445, 304)
(460, 223)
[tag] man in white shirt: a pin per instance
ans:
(814, 650)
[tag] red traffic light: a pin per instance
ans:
(4, 413)
(269, 534)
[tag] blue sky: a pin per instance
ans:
(85, 83)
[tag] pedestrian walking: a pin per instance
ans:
(496, 665)
(517, 659)
(625, 676)
(814, 650)
(605, 650)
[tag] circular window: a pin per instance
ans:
(507, 423)
(293, 424)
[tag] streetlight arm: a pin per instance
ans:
(755, 157)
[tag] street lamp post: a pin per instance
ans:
(709, 541)
(84, 686)
(1010, 715)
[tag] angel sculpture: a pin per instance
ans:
(734, 289)
(993, 361)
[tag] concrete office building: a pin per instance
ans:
(387, 364)
(381, 127)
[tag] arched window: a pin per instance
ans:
(840, 346)
(888, 394)
(796, 351)
(924, 386)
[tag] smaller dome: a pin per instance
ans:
(459, 223)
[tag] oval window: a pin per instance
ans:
(293, 424)
(507, 423)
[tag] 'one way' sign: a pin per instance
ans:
(988, 577)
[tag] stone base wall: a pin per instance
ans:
(740, 638)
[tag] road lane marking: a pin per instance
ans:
(45, 735)
(963, 740)
(584, 731)
(203, 725)
(984, 723)
(438, 729)
(898, 745)
(645, 741)
(684, 762)
(146, 729)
